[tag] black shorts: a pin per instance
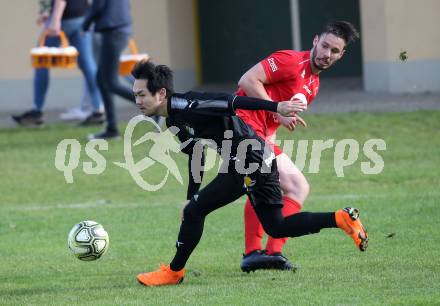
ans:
(263, 185)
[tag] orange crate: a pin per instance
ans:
(64, 56)
(127, 61)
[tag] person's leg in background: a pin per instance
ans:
(34, 117)
(85, 108)
(118, 42)
(82, 111)
(113, 43)
(82, 41)
(42, 79)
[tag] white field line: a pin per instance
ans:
(107, 204)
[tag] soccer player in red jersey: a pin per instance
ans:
(285, 75)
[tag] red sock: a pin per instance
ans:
(253, 230)
(275, 245)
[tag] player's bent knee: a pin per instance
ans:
(303, 187)
(297, 189)
(191, 213)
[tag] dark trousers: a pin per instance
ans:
(113, 44)
(226, 188)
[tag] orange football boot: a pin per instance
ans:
(163, 276)
(348, 220)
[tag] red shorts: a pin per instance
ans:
(277, 150)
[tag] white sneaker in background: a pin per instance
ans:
(75, 114)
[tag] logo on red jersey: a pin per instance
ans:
(272, 64)
(307, 89)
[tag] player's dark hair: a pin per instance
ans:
(342, 29)
(157, 77)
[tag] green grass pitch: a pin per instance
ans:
(38, 208)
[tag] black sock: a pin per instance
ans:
(303, 223)
(189, 236)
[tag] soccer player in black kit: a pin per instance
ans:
(212, 116)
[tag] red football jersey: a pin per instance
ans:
(289, 75)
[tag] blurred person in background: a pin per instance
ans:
(85, 108)
(112, 19)
(67, 16)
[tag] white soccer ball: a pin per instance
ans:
(301, 97)
(88, 240)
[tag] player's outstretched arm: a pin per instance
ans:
(221, 104)
(285, 108)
